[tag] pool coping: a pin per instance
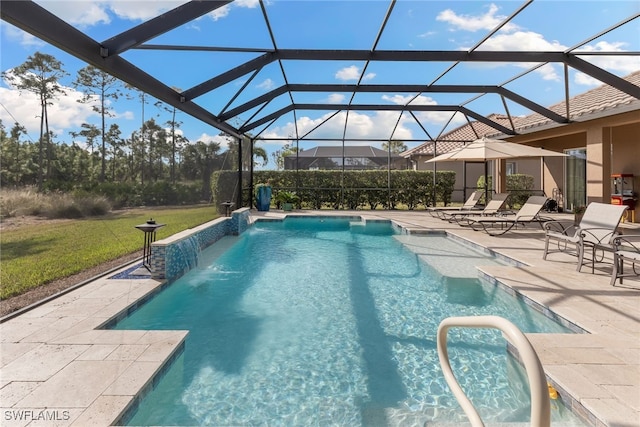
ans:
(82, 316)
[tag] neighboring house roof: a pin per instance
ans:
(599, 102)
(349, 151)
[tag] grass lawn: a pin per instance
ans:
(38, 253)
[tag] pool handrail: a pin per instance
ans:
(540, 405)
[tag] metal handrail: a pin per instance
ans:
(540, 405)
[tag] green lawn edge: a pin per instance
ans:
(36, 254)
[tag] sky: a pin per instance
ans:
(549, 25)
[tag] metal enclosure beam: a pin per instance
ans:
(372, 88)
(376, 107)
(160, 25)
(36, 20)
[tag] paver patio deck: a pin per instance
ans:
(56, 368)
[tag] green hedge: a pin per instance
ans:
(348, 190)
(519, 185)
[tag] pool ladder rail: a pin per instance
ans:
(540, 405)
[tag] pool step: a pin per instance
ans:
(490, 424)
(403, 417)
(357, 224)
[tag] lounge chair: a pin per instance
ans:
(596, 230)
(470, 204)
(494, 207)
(626, 249)
(528, 213)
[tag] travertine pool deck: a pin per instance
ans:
(56, 368)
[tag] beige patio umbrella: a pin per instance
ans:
(485, 149)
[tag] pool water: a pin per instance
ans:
(314, 321)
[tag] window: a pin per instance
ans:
(575, 178)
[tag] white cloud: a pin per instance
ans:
(378, 125)
(427, 34)
(521, 41)
(547, 71)
(352, 73)
(139, 10)
(430, 117)
(623, 64)
(525, 41)
(21, 37)
(223, 140)
(224, 11)
(335, 98)
(249, 4)
(348, 73)
(267, 84)
(487, 21)
(64, 113)
(91, 12)
(512, 38)
(221, 12)
(405, 99)
(586, 80)
(82, 13)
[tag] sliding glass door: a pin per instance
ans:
(575, 178)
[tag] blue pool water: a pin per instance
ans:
(321, 322)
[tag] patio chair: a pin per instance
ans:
(596, 231)
(626, 249)
(494, 207)
(528, 213)
(470, 204)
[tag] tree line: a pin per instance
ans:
(155, 152)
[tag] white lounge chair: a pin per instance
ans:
(494, 207)
(596, 230)
(470, 204)
(626, 249)
(528, 213)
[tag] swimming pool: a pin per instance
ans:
(319, 321)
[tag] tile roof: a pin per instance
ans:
(457, 137)
(601, 101)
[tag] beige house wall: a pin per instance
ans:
(613, 146)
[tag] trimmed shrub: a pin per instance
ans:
(326, 189)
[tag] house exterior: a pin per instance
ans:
(467, 173)
(349, 157)
(601, 139)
